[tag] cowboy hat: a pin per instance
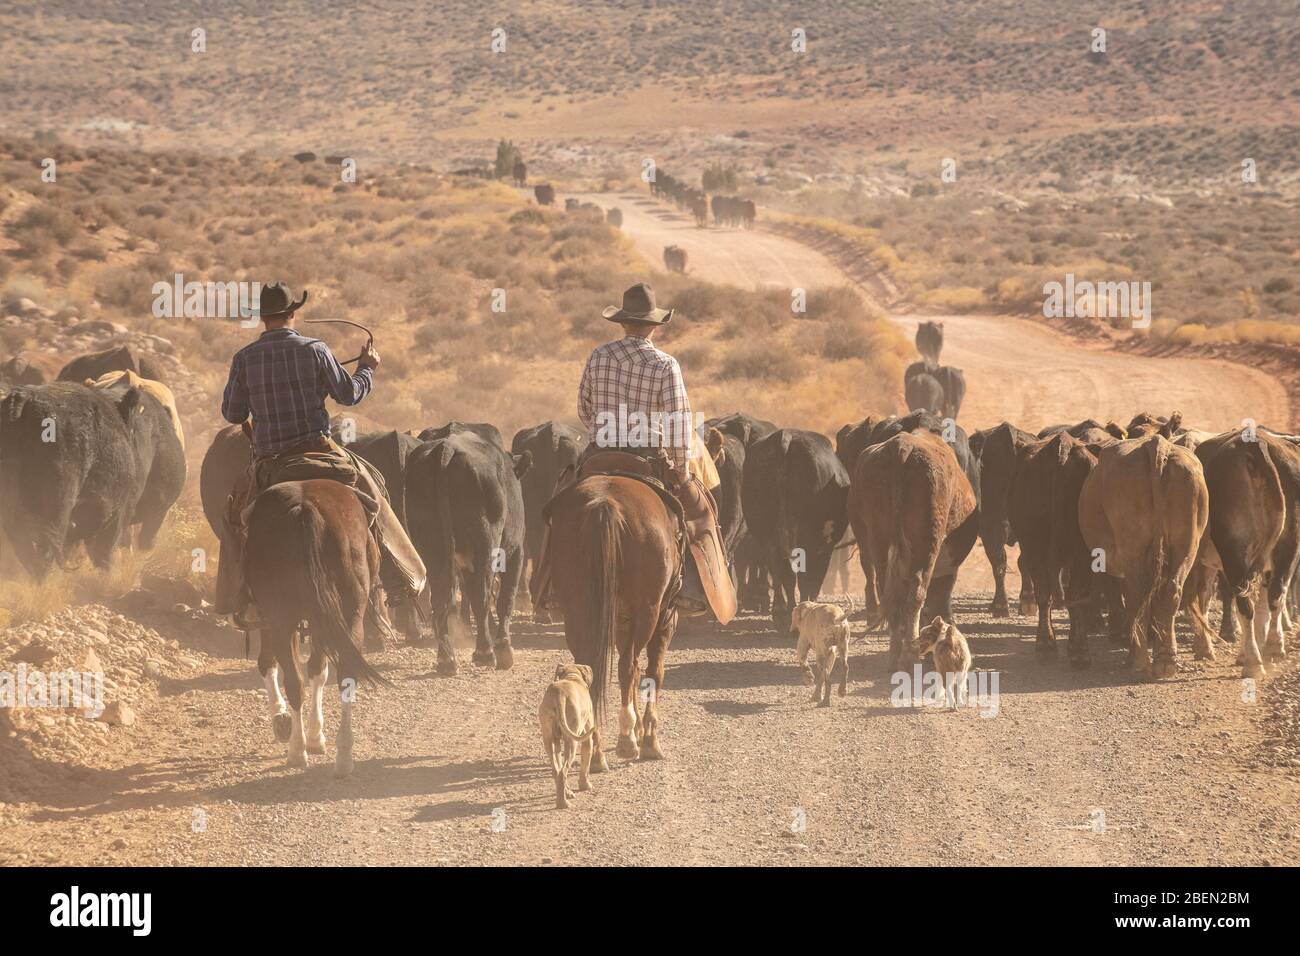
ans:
(638, 306)
(275, 301)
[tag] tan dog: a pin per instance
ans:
(567, 719)
(823, 629)
(951, 657)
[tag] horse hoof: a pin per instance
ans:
(343, 768)
(505, 657)
(484, 658)
(627, 749)
(598, 763)
(650, 750)
(1000, 609)
(1163, 669)
(297, 761)
(447, 667)
(1254, 671)
(823, 702)
(282, 725)
(316, 746)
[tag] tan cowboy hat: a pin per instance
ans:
(638, 306)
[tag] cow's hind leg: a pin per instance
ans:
(996, 550)
(1045, 595)
(1164, 608)
(509, 585)
(1254, 635)
(478, 589)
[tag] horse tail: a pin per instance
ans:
(597, 636)
(324, 606)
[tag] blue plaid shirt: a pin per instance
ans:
(283, 379)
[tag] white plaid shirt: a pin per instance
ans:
(632, 376)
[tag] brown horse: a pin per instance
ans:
(310, 557)
(617, 560)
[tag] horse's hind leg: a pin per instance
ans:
(343, 750)
(652, 685)
(639, 630)
(314, 720)
(281, 723)
(286, 645)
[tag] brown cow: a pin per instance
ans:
(1043, 508)
(1254, 482)
(545, 194)
(616, 560)
(1145, 506)
(310, 557)
(997, 448)
(912, 510)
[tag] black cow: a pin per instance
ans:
(744, 427)
(953, 382)
(929, 340)
(748, 564)
(68, 472)
(794, 492)
(120, 358)
(160, 457)
(996, 449)
(553, 446)
(465, 513)
(482, 429)
(388, 452)
(728, 454)
(922, 392)
(1043, 509)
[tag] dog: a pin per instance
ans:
(823, 629)
(568, 719)
(951, 657)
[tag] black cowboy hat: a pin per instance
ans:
(276, 300)
(638, 306)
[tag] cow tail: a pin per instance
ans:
(898, 558)
(784, 533)
(443, 495)
(329, 624)
(1159, 458)
(1266, 473)
(596, 642)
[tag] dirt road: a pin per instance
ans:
(1071, 767)
(1017, 370)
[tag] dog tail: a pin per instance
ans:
(568, 731)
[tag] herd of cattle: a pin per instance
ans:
(1130, 523)
(727, 210)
